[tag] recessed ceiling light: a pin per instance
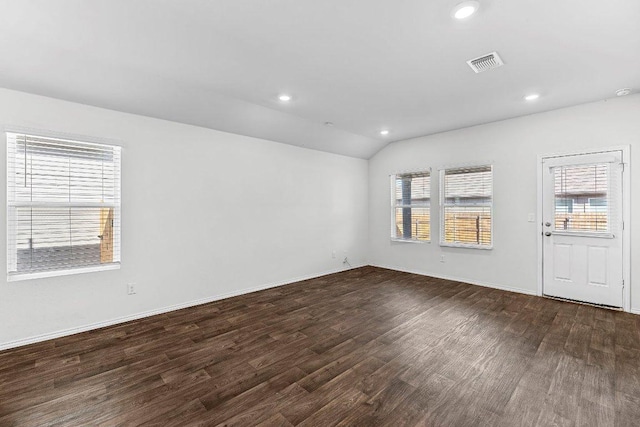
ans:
(284, 97)
(531, 97)
(330, 124)
(465, 9)
(623, 92)
(384, 132)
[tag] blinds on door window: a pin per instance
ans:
(466, 206)
(582, 197)
(411, 206)
(63, 201)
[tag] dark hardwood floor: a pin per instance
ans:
(365, 347)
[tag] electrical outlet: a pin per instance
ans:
(441, 258)
(131, 289)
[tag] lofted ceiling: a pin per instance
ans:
(363, 65)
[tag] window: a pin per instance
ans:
(466, 201)
(581, 195)
(410, 206)
(63, 201)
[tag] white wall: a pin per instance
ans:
(205, 214)
(292, 208)
(512, 146)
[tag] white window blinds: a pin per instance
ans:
(411, 206)
(582, 198)
(466, 206)
(63, 201)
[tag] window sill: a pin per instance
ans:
(466, 246)
(16, 277)
(410, 241)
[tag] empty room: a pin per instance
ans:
(320, 213)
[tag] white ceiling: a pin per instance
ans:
(362, 64)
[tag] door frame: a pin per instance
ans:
(626, 216)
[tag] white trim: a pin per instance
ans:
(590, 234)
(459, 279)
(111, 322)
(623, 148)
(73, 137)
(410, 171)
(589, 159)
(409, 240)
(626, 221)
(467, 246)
(467, 165)
(626, 216)
(634, 310)
(540, 226)
(16, 277)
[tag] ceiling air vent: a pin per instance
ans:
(485, 62)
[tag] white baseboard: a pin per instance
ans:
(634, 310)
(111, 322)
(459, 279)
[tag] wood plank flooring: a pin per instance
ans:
(365, 347)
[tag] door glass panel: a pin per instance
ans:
(582, 198)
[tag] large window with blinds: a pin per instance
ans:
(63, 202)
(411, 206)
(466, 203)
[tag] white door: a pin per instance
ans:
(582, 227)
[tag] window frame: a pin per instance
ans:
(443, 204)
(11, 226)
(394, 206)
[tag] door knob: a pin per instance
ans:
(548, 233)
